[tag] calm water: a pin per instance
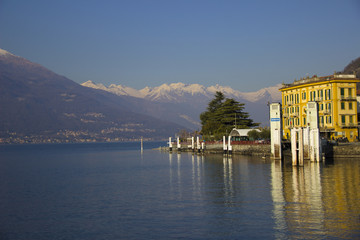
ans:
(113, 191)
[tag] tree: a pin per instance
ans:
(253, 135)
(222, 115)
(265, 133)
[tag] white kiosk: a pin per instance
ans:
(276, 130)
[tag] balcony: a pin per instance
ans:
(349, 98)
(348, 125)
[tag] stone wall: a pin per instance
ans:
(343, 150)
(347, 150)
(243, 149)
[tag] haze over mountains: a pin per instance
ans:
(180, 92)
(183, 103)
(38, 105)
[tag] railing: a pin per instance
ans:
(256, 142)
(348, 125)
(349, 98)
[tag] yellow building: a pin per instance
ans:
(337, 105)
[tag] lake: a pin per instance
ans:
(115, 191)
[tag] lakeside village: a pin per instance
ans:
(317, 119)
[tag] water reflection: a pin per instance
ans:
(277, 194)
(316, 200)
(228, 179)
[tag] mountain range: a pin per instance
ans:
(183, 103)
(38, 105)
(180, 92)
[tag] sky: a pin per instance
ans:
(244, 44)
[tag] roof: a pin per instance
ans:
(315, 79)
(241, 132)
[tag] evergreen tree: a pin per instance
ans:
(222, 115)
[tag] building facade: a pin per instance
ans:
(335, 96)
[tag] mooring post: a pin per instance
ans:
(313, 122)
(178, 144)
(300, 147)
(170, 144)
(306, 142)
(224, 145)
(229, 146)
(198, 144)
(315, 149)
(192, 144)
(293, 146)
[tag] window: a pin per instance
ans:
(343, 119)
(350, 106)
(312, 95)
(326, 94)
(304, 95)
(304, 119)
(350, 92)
(329, 119)
(329, 94)
(320, 95)
(342, 106)
(342, 92)
(350, 119)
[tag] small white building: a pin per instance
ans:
(241, 134)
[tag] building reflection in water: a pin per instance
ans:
(316, 200)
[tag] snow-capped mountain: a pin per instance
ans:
(186, 101)
(180, 92)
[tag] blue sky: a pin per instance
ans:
(246, 45)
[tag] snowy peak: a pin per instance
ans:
(180, 92)
(174, 92)
(91, 84)
(269, 93)
(4, 52)
(113, 88)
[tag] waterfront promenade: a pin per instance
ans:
(250, 148)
